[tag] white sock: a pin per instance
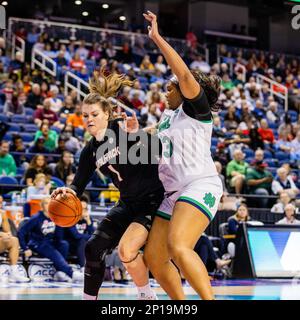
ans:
(14, 268)
(88, 297)
(146, 290)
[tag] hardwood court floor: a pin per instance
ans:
(224, 290)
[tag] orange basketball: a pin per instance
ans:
(65, 211)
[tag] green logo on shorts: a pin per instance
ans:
(209, 200)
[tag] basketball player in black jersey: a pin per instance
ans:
(128, 223)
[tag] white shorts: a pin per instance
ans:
(203, 194)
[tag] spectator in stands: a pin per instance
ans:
(236, 171)
(46, 239)
(35, 99)
(39, 146)
(95, 52)
(294, 95)
(146, 64)
(191, 39)
(18, 146)
(76, 63)
(227, 83)
(259, 182)
(17, 64)
(259, 111)
(76, 119)
(200, 64)
(78, 235)
(290, 212)
(82, 51)
(11, 244)
(110, 51)
(46, 114)
(150, 115)
(231, 120)
(160, 64)
(241, 216)
(7, 162)
(65, 166)
(126, 53)
(284, 183)
(272, 114)
(37, 165)
(136, 101)
(61, 60)
(61, 145)
(49, 135)
(222, 154)
(283, 200)
(69, 179)
(44, 89)
(72, 144)
(265, 132)
(137, 87)
(15, 106)
(68, 107)
(40, 188)
(295, 149)
(286, 127)
(259, 155)
(283, 144)
(56, 102)
(204, 248)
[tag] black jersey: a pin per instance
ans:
(114, 157)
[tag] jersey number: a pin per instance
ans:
(167, 147)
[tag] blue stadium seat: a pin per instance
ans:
(3, 118)
(248, 153)
(20, 170)
(27, 137)
(273, 126)
(79, 132)
(62, 120)
(8, 136)
(8, 180)
(29, 111)
(294, 115)
(19, 119)
(268, 154)
(14, 127)
(30, 127)
(213, 150)
(214, 141)
(58, 182)
(280, 155)
(271, 162)
(58, 130)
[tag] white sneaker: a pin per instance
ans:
(15, 277)
(151, 296)
(61, 277)
(77, 276)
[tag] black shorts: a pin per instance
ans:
(125, 212)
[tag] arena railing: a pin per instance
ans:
(18, 44)
(43, 61)
(274, 88)
(66, 31)
(73, 82)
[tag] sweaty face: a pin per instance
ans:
(173, 96)
(95, 118)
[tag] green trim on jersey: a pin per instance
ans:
(198, 204)
(206, 121)
(163, 215)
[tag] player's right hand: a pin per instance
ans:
(63, 191)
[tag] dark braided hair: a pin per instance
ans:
(210, 84)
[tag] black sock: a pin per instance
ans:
(93, 278)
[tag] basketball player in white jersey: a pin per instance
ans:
(187, 171)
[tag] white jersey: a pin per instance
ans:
(186, 154)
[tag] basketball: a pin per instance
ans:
(65, 211)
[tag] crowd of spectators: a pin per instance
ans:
(255, 143)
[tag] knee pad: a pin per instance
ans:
(100, 244)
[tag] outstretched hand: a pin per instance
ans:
(130, 124)
(153, 28)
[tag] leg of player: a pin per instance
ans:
(131, 242)
(158, 260)
(186, 226)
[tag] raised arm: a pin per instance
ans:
(189, 87)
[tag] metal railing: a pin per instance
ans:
(275, 88)
(73, 82)
(66, 31)
(18, 45)
(43, 61)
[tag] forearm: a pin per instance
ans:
(173, 59)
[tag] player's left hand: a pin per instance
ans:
(129, 124)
